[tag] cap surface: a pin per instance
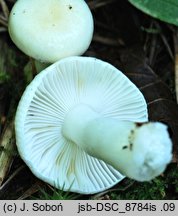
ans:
(44, 106)
(49, 30)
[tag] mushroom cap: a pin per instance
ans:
(44, 106)
(49, 30)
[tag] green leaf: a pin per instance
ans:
(165, 10)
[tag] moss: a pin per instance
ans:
(56, 194)
(162, 187)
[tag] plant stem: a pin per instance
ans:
(7, 145)
(103, 138)
(176, 63)
(176, 76)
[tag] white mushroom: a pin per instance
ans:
(60, 102)
(139, 151)
(49, 30)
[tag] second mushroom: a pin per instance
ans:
(49, 30)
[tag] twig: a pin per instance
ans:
(112, 190)
(108, 28)
(3, 29)
(3, 21)
(33, 189)
(7, 145)
(99, 3)
(108, 41)
(5, 9)
(12, 176)
(34, 69)
(165, 41)
(3, 18)
(152, 50)
(167, 46)
(176, 62)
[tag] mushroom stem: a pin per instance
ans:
(76, 121)
(139, 151)
(40, 66)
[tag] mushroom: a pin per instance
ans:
(49, 30)
(138, 152)
(75, 127)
